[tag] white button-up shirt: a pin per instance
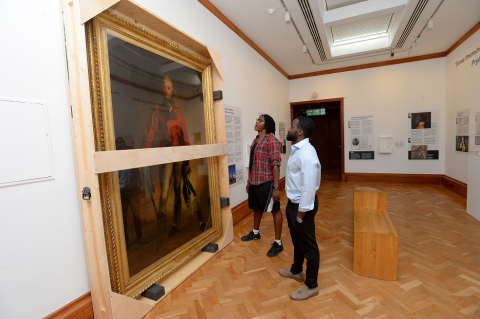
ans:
(303, 175)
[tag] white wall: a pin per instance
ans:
(41, 241)
(462, 92)
(249, 81)
(389, 93)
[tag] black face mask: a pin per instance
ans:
(291, 136)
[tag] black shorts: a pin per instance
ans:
(260, 196)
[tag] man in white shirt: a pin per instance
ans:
(301, 183)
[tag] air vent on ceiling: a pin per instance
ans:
(312, 26)
(411, 23)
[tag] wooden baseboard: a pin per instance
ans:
(79, 308)
(394, 178)
(455, 185)
(241, 211)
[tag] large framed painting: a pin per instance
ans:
(149, 93)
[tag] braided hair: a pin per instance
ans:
(269, 124)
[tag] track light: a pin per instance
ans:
(410, 52)
(287, 17)
(304, 48)
(314, 67)
(417, 42)
(413, 44)
(430, 23)
(329, 66)
(392, 54)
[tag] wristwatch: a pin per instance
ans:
(275, 188)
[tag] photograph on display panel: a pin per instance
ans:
(152, 94)
(423, 136)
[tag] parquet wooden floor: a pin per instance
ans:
(439, 265)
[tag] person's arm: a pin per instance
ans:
(276, 177)
(276, 159)
(249, 163)
(309, 169)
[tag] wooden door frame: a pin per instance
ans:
(340, 99)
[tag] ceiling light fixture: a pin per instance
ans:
(287, 17)
(392, 54)
(314, 67)
(410, 52)
(413, 44)
(304, 48)
(430, 23)
(271, 11)
(417, 42)
(329, 66)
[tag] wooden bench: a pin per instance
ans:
(375, 239)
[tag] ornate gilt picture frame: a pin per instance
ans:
(147, 92)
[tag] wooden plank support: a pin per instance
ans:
(111, 161)
(83, 145)
(90, 8)
(221, 137)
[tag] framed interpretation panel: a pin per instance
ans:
(151, 98)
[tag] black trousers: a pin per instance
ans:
(304, 243)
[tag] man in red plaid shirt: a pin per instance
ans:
(262, 184)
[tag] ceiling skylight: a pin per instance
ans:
(361, 30)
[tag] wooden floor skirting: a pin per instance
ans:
(455, 185)
(80, 308)
(395, 178)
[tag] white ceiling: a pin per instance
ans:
(279, 40)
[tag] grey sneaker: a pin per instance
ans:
(304, 293)
(288, 273)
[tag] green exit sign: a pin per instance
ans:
(315, 112)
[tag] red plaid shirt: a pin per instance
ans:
(267, 155)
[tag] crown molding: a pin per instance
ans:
(369, 65)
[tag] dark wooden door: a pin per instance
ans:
(327, 138)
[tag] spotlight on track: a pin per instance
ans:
(314, 67)
(287, 17)
(430, 23)
(304, 48)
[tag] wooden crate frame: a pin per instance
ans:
(106, 303)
